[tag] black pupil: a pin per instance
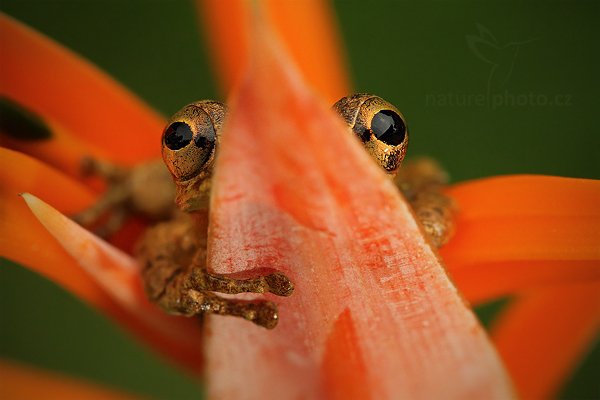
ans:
(178, 135)
(388, 127)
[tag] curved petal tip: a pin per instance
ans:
(117, 273)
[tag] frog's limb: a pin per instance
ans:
(276, 283)
(422, 181)
(113, 223)
(111, 200)
(145, 189)
(94, 167)
(173, 259)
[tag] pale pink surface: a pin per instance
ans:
(339, 229)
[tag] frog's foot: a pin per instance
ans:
(422, 181)
(145, 189)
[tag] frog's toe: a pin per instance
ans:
(279, 284)
(263, 314)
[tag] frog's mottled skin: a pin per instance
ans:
(173, 252)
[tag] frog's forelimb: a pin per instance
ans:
(173, 259)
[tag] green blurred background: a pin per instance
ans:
(534, 112)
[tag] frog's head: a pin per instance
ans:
(189, 143)
(379, 125)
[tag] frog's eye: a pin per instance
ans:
(379, 125)
(189, 140)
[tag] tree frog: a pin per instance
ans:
(173, 252)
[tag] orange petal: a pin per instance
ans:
(342, 362)
(484, 282)
(24, 240)
(19, 173)
(60, 149)
(60, 86)
(20, 382)
(543, 335)
(518, 232)
(316, 50)
(295, 192)
(527, 195)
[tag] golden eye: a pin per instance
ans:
(379, 125)
(189, 140)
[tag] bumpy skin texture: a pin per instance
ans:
(165, 253)
(422, 182)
